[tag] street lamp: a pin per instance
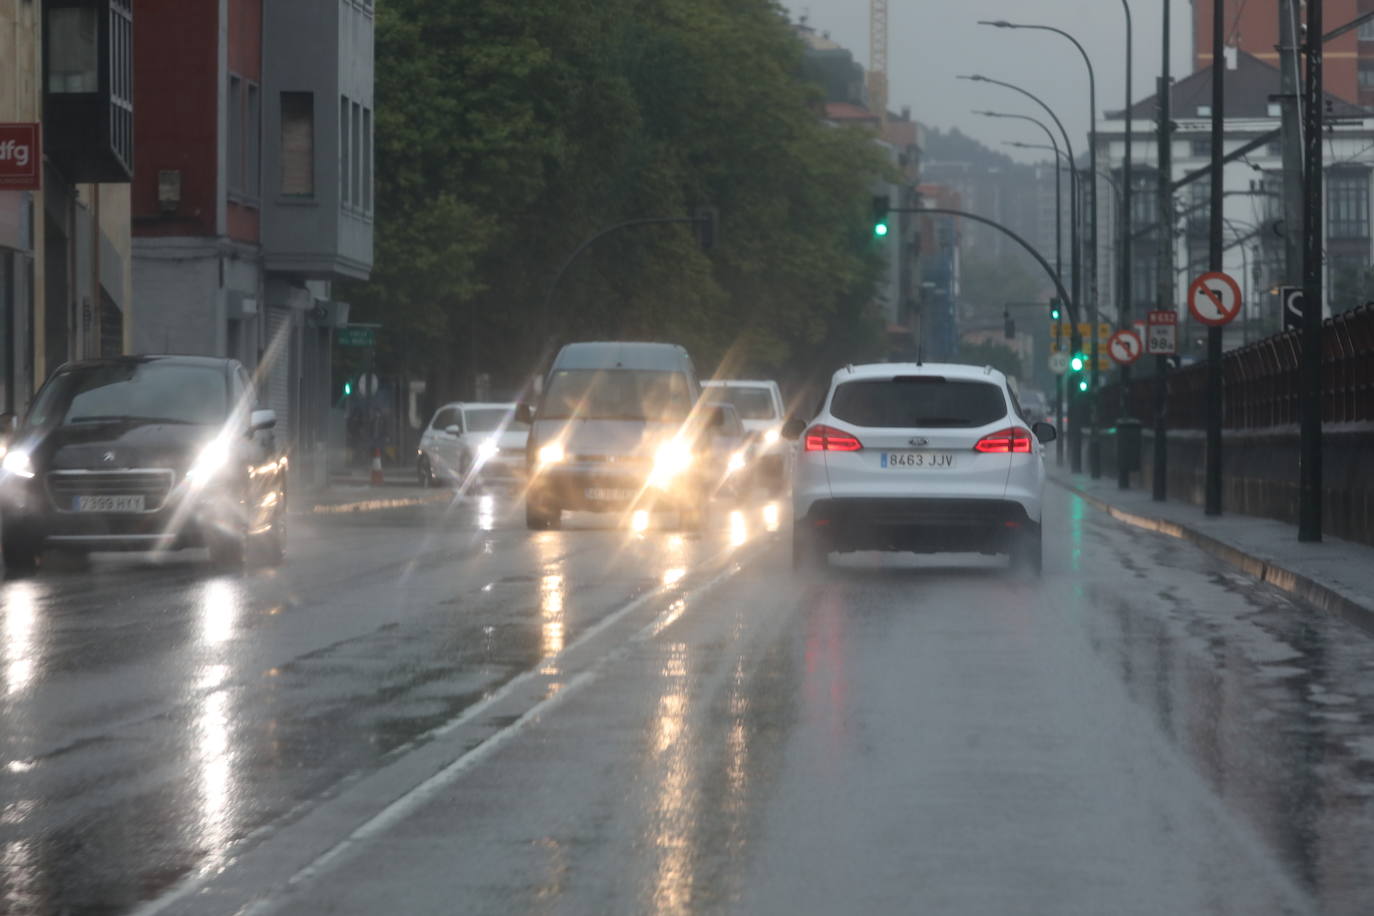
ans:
(1075, 430)
(1094, 446)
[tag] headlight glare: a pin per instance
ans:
(771, 436)
(672, 458)
(211, 460)
(17, 463)
(552, 453)
(487, 450)
(735, 464)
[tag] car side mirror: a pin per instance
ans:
(1044, 431)
(524, 413)
(793, 428)
(260, 420)
(454, 430)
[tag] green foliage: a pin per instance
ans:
(991, 354)
(508, 133)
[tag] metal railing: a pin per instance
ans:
(1260, 381)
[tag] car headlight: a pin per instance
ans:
(211, 460)
(735, 464)
(771, 436)
(552, 453)
(487, 450)
(18, 463)
(672, 458)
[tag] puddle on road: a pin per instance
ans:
(1273, 704)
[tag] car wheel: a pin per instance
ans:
(1028, 552)
(20, 553)
(273, 542)
(809, 551)
(228, 551)
(541, 516)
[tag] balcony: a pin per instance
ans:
(88, 109)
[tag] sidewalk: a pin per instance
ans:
(1335, 575)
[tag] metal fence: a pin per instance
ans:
(1260, 381)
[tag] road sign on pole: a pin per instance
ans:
(1214, 298)
(1162, 337)
(1291, 296)
(1125, 347)
(355, 336)
(1059, 363)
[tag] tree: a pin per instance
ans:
(508, 133)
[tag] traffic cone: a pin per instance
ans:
(377, 479)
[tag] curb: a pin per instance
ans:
(1323, 597)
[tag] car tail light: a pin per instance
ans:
(1006, 441)
(829, 439)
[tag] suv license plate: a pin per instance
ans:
(109, 503)
(903, 461)
(607, 495)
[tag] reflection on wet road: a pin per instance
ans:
(676, 723)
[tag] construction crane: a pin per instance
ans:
(877, 59)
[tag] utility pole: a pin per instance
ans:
(1310, 373)
(1290, 128)
(1165, 240)
(1212, 490)
(1123, 316)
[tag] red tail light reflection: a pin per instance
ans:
(1012, 440)
(828, 439)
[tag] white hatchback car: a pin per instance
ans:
(759, 405)
(465, 438)
(929, 458)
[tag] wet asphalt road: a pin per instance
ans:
(430, 709)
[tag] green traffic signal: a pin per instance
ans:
(1082, 384)
(1054, 312)
(1077, 363)
(880, 229)
(348, 388)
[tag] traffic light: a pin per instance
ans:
(1083, 384)
(879, 215)
(1077, 362)
(1054, 311)
(348, 388)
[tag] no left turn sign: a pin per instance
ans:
(1214, 298)
(1125, 347)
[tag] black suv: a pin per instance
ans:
(144, 453)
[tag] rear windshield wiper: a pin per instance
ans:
(127, 418)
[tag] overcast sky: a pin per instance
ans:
(930, 42)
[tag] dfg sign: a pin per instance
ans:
(21, 157)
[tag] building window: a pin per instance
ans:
(1347, 201)
(234, 116)
(367, 160)
(1201, 147)
(345, 153)
(298, 144)
(357, 138)
(1367, 30)
(73, 50)
(252, 150)
(1366, 78)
